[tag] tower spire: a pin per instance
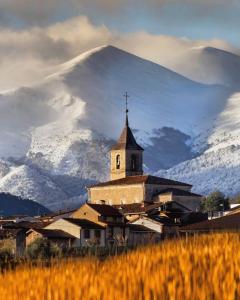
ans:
(126, 98)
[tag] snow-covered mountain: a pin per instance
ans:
(55, 135)
(208, 65)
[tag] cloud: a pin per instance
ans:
(42, 12)
(164, 49)
(28, 55)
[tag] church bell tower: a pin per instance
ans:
(126, 154)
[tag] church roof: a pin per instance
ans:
(127, 140)
(147, 179)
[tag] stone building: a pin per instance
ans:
(129, 185)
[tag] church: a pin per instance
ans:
(128, 184)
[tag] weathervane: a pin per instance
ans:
(126, 98)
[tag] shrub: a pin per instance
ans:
(43, 248)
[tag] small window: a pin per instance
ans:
(97, 234)
(133, 162)
(86, 233)
(118, 163)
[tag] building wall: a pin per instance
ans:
(152, 189)
(32, 237)
(21, 242)
(86, 212)
(115, 195)
(158, 227)
(93, 240)
(190, 202)
(68, 227)
(143, 238)
(125, 164)
(163, 198)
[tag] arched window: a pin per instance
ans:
(133, 162)
(118, 163)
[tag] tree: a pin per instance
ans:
(216, 201)
(236, 199)
(43, 248)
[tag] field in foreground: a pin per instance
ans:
(205, 267)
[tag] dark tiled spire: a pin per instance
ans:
(127, 140)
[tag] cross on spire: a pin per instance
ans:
(126, 99)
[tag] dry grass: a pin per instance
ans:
(205, 267)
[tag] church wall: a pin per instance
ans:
(163, 198)
(125, 163)
(152, 189)
(115, 195)
(115, 173)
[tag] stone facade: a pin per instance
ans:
(114, 195)
(127, 194)
(122, 163)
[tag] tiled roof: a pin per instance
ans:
(229, 222)
(49, 233)
(105, 210)
(147, 179)
(83, 223)
(139, 228)
(25, 225)
(178, 192)
(127, 141)
(136, 208)
(163, 220)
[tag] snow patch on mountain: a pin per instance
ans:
(215, 170)
(27, 183)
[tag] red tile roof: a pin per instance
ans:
(139, 228)
(83, 223)
(147, 179)
(57, 234)
(105, 210)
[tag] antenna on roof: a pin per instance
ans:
(126, 99)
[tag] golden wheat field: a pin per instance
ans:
(204, 267)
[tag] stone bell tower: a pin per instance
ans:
(126, 154)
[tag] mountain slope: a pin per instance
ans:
(208, 65)
(57, 133)
(11, 206)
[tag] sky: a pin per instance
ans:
(36, 35)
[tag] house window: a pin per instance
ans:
(86, 233)
(118, 164)
(133, 162)
(97, 234)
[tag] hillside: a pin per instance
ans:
(12, 206)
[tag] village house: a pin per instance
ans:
(85, 231)
(162, 226)
(129, 185)
(58, 237)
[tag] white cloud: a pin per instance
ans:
(27, 55)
